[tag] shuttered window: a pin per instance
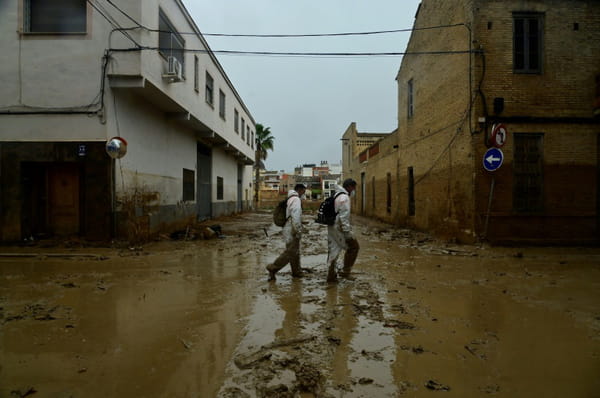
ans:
(55, 16)
(527, 42)
(528, 173)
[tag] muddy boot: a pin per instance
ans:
(332, 274)
(272, 272)
(296, 269)
(347, 276)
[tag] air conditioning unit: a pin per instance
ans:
(174, 71)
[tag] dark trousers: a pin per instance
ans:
(291, 255)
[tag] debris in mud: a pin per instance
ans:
(308, 378)
(334, 340)
(277, 391)
(365, 380)
(416, 350)
(436, 386)
(398, 307)
(38, 312)
(490, 389)
(246, 361)
(372, 355)
(186, 344)
(28, 392)
(393, 323)
(285, 342)
(250, 360)
(234, 392)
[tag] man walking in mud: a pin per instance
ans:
(292, 232)
(339, 235)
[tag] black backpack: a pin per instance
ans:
(326, 214)
(279, 217)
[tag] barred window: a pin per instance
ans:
(528, 176)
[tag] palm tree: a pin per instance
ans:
(264, 143)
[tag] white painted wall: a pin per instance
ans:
(222, 166)
(59, 71)
(158, 150)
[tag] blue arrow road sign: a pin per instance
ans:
(493, 158)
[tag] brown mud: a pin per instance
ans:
(199, 319)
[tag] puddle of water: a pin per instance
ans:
(160, 325)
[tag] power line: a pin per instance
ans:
(114, 23)
(375, 32)
(298, 54)
(364, 33)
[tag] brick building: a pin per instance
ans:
(532, 66)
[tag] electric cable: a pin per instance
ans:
(298, 54)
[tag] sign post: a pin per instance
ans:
(492, 160)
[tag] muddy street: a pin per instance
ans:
(198, 318)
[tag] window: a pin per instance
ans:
(373, 187)
(55, 16)
(243, 129)
(236, 121)
(528, 173)
(219, 188)
(411, 192)
(170, 43)
(410, 99)
(196, 77)
(222, 104)
(527, 42)
(188, 185)
(252, 141)
(248, 134)
(389, 193)
(209, 92)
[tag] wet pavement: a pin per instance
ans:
(199, 319)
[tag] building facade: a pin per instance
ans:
(530, 70)
(84, 72)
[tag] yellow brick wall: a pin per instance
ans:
(444, 143)
(436, 141)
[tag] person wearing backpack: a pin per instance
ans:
(292, 232)
(339, 235)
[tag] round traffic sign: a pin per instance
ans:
(493, 158)
(499, 135)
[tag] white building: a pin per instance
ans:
(70, 79)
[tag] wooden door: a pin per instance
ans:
(63, 199)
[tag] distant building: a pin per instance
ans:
(328, 183)
(531, 66)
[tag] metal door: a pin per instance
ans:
(204, 194)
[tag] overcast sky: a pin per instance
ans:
(309, 102)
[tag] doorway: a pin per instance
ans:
(52, 199)
(203, 182)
